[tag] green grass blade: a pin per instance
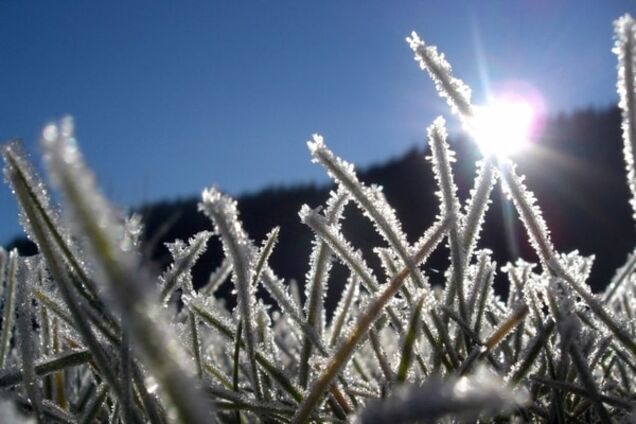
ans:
(121, 273)
(46, 366)
(409, 341)
(26, 342)
(90, 414)
(364, 322)
(8, 312)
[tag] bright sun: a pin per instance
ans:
(502, 127)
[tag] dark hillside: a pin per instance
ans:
(577, 175)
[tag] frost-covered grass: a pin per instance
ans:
(90, 335)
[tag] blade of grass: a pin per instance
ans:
(320, 266)
(533, 349)
(45, 366)
(121, 273)
(380, 355)
(625, 49)
(226, 329)
(72, 301)
(372, 204)
(352, 258)
(496, 337)
(441, 157)
(478, 205)
(217, 278)
(46, 341)
(573, 388)
(18, 170)
(8, 312)
(409, 342)
(365, 320)
(537, 231)
(343, 310)
(222, 210)
(235, 368)
(90, 414)
(26, 343)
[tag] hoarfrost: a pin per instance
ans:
(625, 49)
(456, 93)
(184, 257)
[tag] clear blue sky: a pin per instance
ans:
(170, 97)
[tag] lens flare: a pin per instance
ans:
(503, 127)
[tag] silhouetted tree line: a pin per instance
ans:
(576, 170)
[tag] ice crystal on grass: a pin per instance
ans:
(625, 49)
(26, 340)
(370, 200)
(133, 229)
(331, 235)
(17, 166)
(222, 210)
(9, 298)
(184, 258)
(217, 277)
(94, 342)
(456, 92)
(477, 206)
(94, 219)
(320, 263)
(441, 158)
(621, 282)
